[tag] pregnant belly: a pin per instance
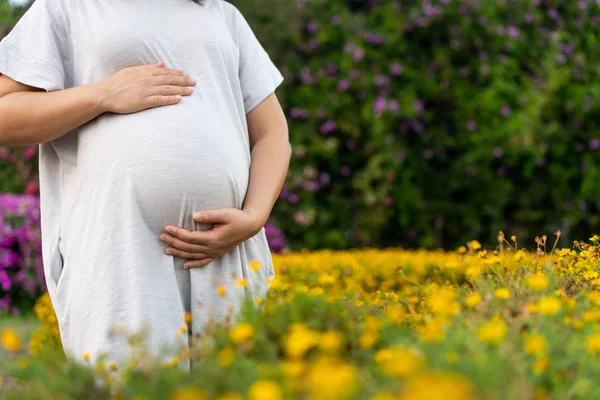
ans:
(165, 163)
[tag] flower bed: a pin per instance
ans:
(381, 324)
(21, 273)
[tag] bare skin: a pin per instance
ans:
(30, 115)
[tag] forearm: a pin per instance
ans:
(270, 162)
(28, 118)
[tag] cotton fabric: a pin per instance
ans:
(110, 187)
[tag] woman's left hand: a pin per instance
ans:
(231, 226)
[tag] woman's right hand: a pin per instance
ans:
(137, 88)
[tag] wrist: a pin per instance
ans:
(99, 96)
(258, 219)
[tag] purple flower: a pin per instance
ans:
(328, 127)
(594, 144)
(324, 178)
(4, 153)
(505, 111)
(400, 156)
(374, 39)
(381, 80)
(418, 105)
(394, 106)
(5, 281)
(582, 205)
(513, 32)
(529, 18)
(293, 198)
(583, 166)
(471, 125)
(498, 152)
(312, 27)
(379, 105)
(343, 85)
(350, 144)
(336, 20)
(311, 186)
(396, 69)
(29, 152)
(345, 170)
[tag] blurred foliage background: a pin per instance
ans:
(424, 123)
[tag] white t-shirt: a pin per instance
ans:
(110, 187)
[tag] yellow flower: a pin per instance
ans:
(112, 366)
(255, 265)
(331, 378)
(400, 361)
(331, 341)
(86, 356)
(439, 386)
(242, 282)
(549, 305)
(182, 329)
(541, 364)
(535, 344)
(431, 331)
(230, 396)
(593, 343)
(10, 340)
(493, 332)
(265, 390)
(513, 238)
(537, 282)
(241, 333)
(473, 299)
(188, 317)
(187, 393)
(172, 362)
(225, 356)
(475, 245)
(462, 250)
(502, 293)
(368, 339)
(221, 290)
(299, 340)
(293, 369)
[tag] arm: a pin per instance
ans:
(30, 115)
(271, 153)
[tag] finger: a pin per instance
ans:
(160, 64)
(157, 101)
(213, 216)
(170, 90)
(185, 254)
(167, 71)
(182, 245)
(169, 79)
(197, 263)
(195, 237)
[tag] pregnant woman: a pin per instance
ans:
(146, 113)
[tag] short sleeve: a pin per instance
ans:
(259, 77)
(33, 52)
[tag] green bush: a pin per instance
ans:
(432, 122)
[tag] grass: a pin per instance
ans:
(23, 326)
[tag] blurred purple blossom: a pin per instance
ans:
(498, 152)
(471, 125)
(396, 69)
(328, 127)
(379, 105)
(505, 111)
(345, 170)
(594, 144)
